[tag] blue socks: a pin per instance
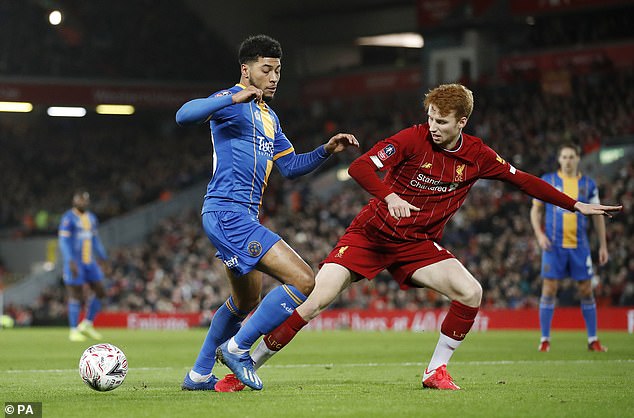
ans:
(224, 325)
(589, 311)
(74, 307)
(278, 305)
(94, 306)
(546, 311)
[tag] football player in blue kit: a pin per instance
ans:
(565, 245)
(80, 246)
(247, 141)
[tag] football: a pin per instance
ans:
(103, 367)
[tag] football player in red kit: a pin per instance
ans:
(429, 169)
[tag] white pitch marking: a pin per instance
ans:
(321, 365)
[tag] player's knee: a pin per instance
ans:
(248, 303)
(471, 294)
(304, 281)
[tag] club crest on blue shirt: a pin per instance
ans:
(254, 248)
(386, 152)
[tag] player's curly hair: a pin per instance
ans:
(451, 97)
(259, 46)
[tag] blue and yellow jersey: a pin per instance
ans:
(247, 139)
(78, 237)
(563, 228)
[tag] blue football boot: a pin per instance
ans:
(241, 365)
(189, 384)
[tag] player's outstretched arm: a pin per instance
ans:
(198, 111)
(597, 209)
(340, 142)
(294, 165)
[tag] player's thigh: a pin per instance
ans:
(245, 289)
(285, 265)
(555, 263)
(331, 280)
(94, 278)
(450, 278)
(580, 264)
(75, 291)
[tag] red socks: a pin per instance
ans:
(283, 334)
(458, 321)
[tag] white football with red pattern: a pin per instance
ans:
(103, 367)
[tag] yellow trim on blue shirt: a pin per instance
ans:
(571, 188)
(283, 153)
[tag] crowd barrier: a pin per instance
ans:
(610, 318)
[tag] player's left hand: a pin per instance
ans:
(340, 142)
(597, 209)
(603, 256)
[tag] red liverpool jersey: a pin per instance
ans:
(429, 177)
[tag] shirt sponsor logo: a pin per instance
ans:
(386, 152)
(423, 182)
(265, 146)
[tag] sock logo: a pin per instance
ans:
(272, 344)
(458, 336)
(286, 307)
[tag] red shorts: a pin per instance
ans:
(367, 257)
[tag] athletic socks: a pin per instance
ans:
(589, 312)
(546, 312)
(94, 306)
(277, 339)
(224, 324)
(74, 307)
(274, 309)
(453, 330)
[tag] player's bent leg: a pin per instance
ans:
(450, 278)
(226, 322)
(282, 263)
(330, 281)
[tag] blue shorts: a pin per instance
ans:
(86, 273)
(560, 263)
(240, 239)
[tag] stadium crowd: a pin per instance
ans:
(89, 42)
(174, 269)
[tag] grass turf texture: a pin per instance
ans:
(331, 374)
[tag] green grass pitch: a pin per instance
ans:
(331, 374)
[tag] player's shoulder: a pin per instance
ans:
(66, 220)
(227, 91)
(472, 141)
(412, 133)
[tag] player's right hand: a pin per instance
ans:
(246, 95)
(398, 207)
(543, 241)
